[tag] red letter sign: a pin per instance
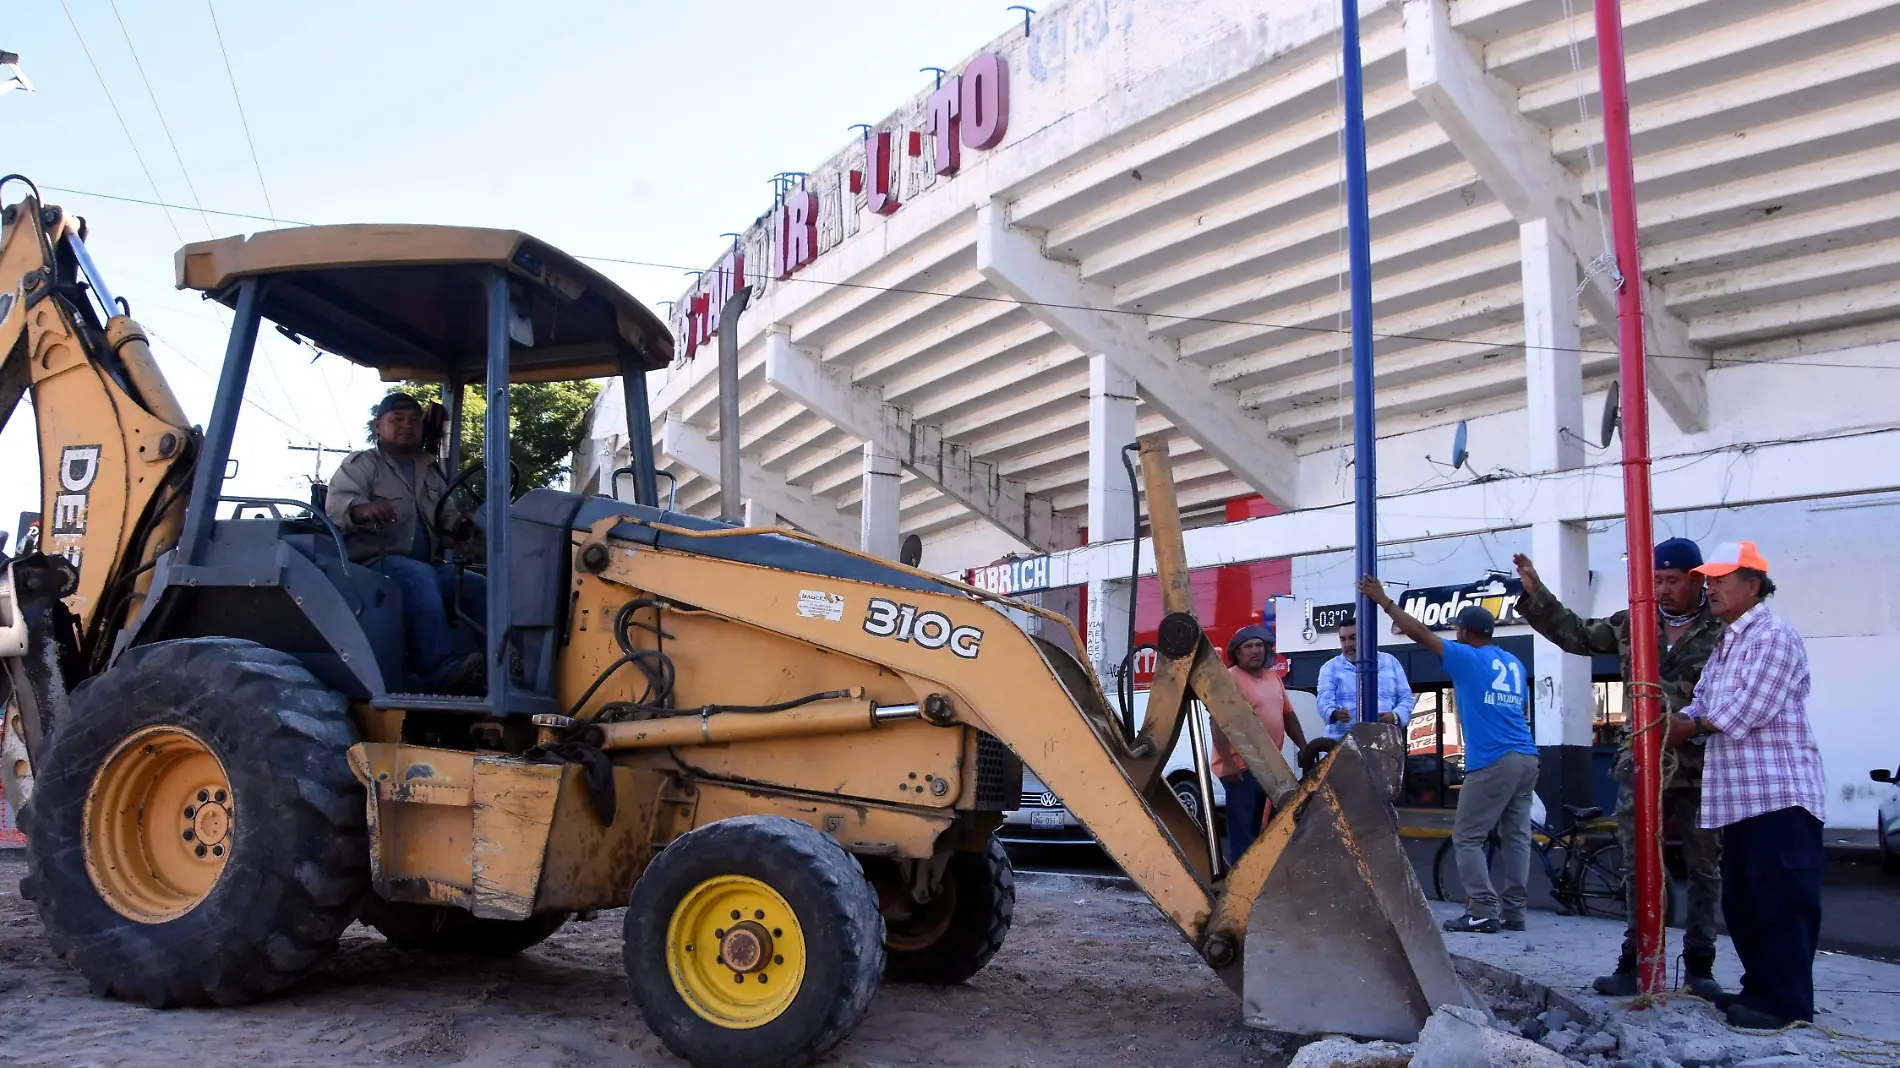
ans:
(985, 101)
(798, 231)
(880, 197)
(944, 109)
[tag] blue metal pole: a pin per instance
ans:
(214, 452)
(495, 456)
(1364, 443)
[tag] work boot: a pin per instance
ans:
(1623, 982)
(1698, 966)
(467, 677)
(1740, 1015)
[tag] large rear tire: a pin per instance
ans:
(953, 937)
(195, 835)
(753, 942)
(445, 929)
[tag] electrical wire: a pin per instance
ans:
(163, 124)
(242, 119)
(208, 373)
(180, 207)
(1212, 320)
(117, 114)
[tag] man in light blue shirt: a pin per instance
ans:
(1500, 762)
(1339, 687)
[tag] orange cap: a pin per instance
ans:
(1730, 556)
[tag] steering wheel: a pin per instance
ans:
(476, 492)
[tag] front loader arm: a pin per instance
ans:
(994, 674)
(113, 439)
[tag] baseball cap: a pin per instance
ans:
(1678, 554)
(1245, 635)
(1477, 619)
(1732, 555)
(397, 402)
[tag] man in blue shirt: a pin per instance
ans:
(1500, 762)
(1339, 687)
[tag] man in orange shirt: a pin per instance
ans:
(1249, 658)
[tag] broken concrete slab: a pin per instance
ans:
(1350, 1053)
(1699, 1052)
(1457, 1037)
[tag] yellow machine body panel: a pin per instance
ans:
(106, 453)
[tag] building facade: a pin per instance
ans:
(1129, 220)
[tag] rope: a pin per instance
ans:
(1886, 1057)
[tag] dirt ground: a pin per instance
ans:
(1091, 975)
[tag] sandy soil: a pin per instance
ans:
(1091, 975)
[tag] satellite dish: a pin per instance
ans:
(911, 553)
(1612, 414)
(1459, 453)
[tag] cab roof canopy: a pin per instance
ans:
(411, 301)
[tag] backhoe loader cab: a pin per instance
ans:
(784, 758)
(457, 306)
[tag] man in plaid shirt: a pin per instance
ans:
(1763, 786)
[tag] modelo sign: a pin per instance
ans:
(1438, 606)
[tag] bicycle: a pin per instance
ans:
(1586, 879)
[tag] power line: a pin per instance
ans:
(1475, 344)
(162, 204)
(252, 401)
(163, 124)
(232, 76)
(127, 130)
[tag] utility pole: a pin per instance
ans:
(1647, 723)
(318, 489)
(1365, 442)
(316, 472)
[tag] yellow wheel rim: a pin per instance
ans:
(735, 951)
(160, 824)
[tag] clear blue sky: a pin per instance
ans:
(639, 130)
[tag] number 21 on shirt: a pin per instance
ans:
(1510, 681)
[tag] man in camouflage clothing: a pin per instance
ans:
(1688, 632)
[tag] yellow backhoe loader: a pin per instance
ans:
(784, 758)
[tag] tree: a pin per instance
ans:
(545, 421)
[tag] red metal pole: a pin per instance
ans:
(1646, 730)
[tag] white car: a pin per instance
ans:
(1043, 820)
(1886, 823)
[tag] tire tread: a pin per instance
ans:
(269, 714)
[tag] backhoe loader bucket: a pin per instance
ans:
(1339, 940)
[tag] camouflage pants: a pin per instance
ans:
(1701, 855)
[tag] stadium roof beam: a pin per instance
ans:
(699, 454)
(920, 448)
(1480, 112)
(1083, 314)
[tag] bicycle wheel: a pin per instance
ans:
(1444, 870)
(1599, 887)
(1446, 885)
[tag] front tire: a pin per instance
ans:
(954, 936)
(450, 930)
(196, 836)
(753, 942)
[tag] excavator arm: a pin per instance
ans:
(114, 448)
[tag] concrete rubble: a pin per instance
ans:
(1348, 1053)
(1668, 1036)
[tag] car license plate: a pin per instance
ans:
(1046, 821)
